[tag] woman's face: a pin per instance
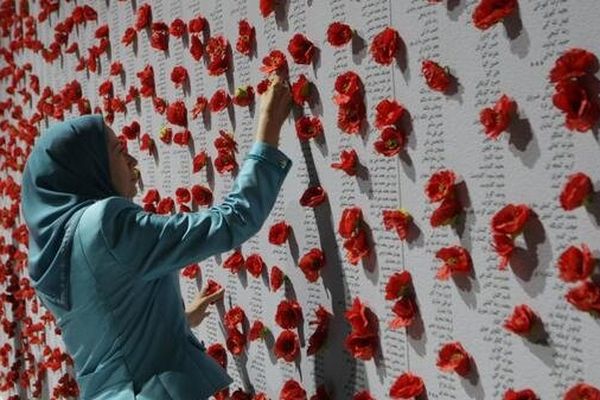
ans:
(123, 175)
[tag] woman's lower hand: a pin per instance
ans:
(196, 313)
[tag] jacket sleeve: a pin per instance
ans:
(154, 245)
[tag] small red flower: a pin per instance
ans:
(146, 77)
(266, 7)
(199, 161)
(152, 196)
(301, 49)
(218, 353)
(225, 162)
(160, 36)
(274, 61)
(582, 391)
(399, 220)
(182, 195)
(129, 36)
(319, 336)
(348, 162)
(503, 246)
(452, 357)
(490, 12)
(199, 107)
(351, 116)
(212, 287)
(339, 34)
(388, 112)
(581, 111)
(301, 90)
(257, 331)
(390, 142)
(440, 185)
(406, 387)
(236, 341)
(263, 86)
(143, 17)
(496, 120)
(357, 247)
(196, 47)
(116, 68)
(313, 196)
(202, 195)
(165, 206)
(197, 25)
(522, 320)
(576, 192)
(235, 262)
(291, 390)
(219, 101)
(255, 265)
(405, 311)
(361, 346)
(456, 259)
(436, 77)
(385, 45)
(177, 28)
(573, 63)
(235, 316)
(191, 271)
(364, 395)
(279, 233)
(287, 345)
(276, 278)
(179, 76)
(398, 285)
(308, 127)
(217, 48)
(348, 86)
(246, 37)
(511, 219)
(177, 113)
(350, 222)
(575, 264)
(525, 394)
(288, 314)
(585, 296)
(311, 263)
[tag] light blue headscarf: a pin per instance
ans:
(66, 172)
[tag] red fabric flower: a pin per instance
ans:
(362, 346)
(263, 86)
(503, 246)
(576, 192)
(146, 77)
(388, 112)
(287, 345)
(385, 45)
(143, 17)
(291, 390)
(246, 37)
(511, 219)
(452, 357)
(573, 63)
(351, 116)
(129, 36)
(398, 220)
(490, 12)
(339, 34)
(399, 285)
(407, 386)
(522, 320)
(244, 96)
(301, 90)
(199, 107)
(165, 206)
(279, 233)
(301, 49)
(575, 264)
(390, 142)
(405, 311)
(456, 259)
(197, 25)
(255, 265)
(496, 120)
(160, 36)
(236, 341)
(348, 162)
(191, 271)
(196, 47)
(276, 278)
(308, 127)
(364, 395)
(274, 61)
(581, 112)
(218, 353)
(219, 101)
(436, 77)
(348, 86)
(350, 222)
(235, 262)
(582, 391)
(525, 394)
(152, 196)
(585, 296)
(288, 314)
(440, 185)
(313, 196)
(257, 331)
(212, 287)
(199, 161)
(177, 113)
(233, 317)
(202, 195)
(319, 336)
(116, 68)
(182, 195)
(266, 7)
(219, 55)
(311, 263)
(357, 247)
(179, 75)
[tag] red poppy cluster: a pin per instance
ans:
(507, 224)
(441, 188)
(226, 148)
(353, 230)
(496, 119)
(363, 341)
(349, 97)
(399, 288)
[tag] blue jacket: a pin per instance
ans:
(126, 329)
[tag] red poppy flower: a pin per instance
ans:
(446, 213)
(177, 28)
(362, 320)
(364, 395)
(440, 185)
(263, 86)
(452, 357)
(225, 162)
(503, 246)
(152, 196)
(350, 222)
(308, 127)
(385, 45)
(219, 101)
(196, 47)
(246, 37)
(456, 259)
(351, 116)
(234, 317)
(311, 263)
(235, 262)
(129, 36)
(525, 394)
(287, 345)
(398, 285)
(582, 391)
(490, 12)
(274, 61)
(179, 75)
(160, 36)
(585, 296)
(575, 264)
(357, 247)
(348, 86)
(388, 112)
(202, 195)
(301, 90)
(236, 341)
(279, 233)
(165, 206)
(182, 195)
(116, 68)
(436, 77)
(399, 220)
(404, 311)
(288, 314)
(177, 113)
(390, 142)
(496, 120)
(199, 107)
(313, 196)
(339, 34)
(143, 17)
(573, 63)
(146, 77)
(511, 219)
(160, 105)
(147, 143)
(576, 192)
(301, 49)
(199, 161)
(407, 386)
(348, 162)
(291, 390)
(212, 287)
(522, 320)
(255, 265)
(362, 345)
(319, 336)
(225, 142)
(257, 331)
(276, 278)
(244, 96)
(581, 111)
(218, 353)
(191, 271)
(219, 56)
(197, 25)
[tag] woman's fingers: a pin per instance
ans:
(214, 296)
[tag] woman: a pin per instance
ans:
(108, 270)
